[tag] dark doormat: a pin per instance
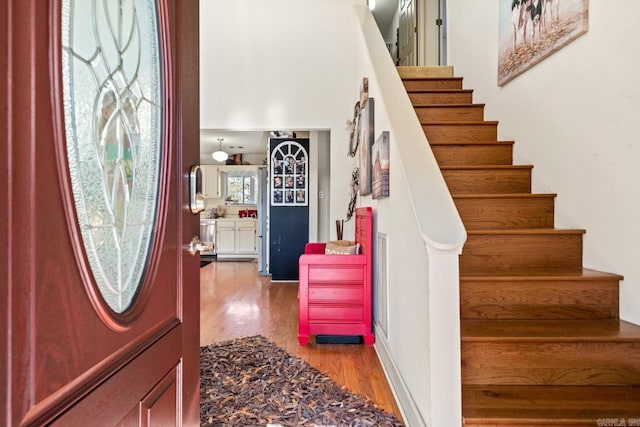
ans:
(251, 381)
(207, 259)
(204, 262)
(338, 339)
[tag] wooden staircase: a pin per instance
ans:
(542, 343)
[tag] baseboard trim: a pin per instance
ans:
(406, 404)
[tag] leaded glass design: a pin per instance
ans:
(112, 93)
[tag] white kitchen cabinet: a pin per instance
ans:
(236, 237)
(246, 236)
(226, 238)
(211, 182)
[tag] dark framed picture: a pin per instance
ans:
(288, 181)
(288, 196)
(277, 182)
(366, 142)
(380, 166)
(288, 165)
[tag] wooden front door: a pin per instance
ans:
(77, 349)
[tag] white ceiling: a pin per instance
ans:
(233, 141)
(256, 141)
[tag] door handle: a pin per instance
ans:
(196, 198)
(196, 245)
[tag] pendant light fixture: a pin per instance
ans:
(220, 155)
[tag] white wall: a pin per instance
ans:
(390, 35)
(576, 117)
(324, 186)
(274, 65)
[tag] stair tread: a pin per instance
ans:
(529, 231)
(460, 123)
(604, 330)
(548, 405)
(435, 90)
(431, 78)
(449, 105)
(481, 167)
(472, 143)
(542, 274)
(435, 71)
(504, 195)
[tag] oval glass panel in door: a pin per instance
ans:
(112, 88)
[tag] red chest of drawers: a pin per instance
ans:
(335, 290)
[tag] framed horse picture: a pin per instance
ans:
(531, 30)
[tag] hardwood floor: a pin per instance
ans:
(235, 302)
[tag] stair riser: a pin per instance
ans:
(461, 132)
(492, 422)
(535, 406)
(517, 423)
(453, 97)
(521, 251)
(488, 181)
(471, 155)
(450, 113)
(503, 213)
(432, 83)
(552, 299)
(559, 363)
(551, 422)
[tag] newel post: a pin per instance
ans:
(444, 337)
